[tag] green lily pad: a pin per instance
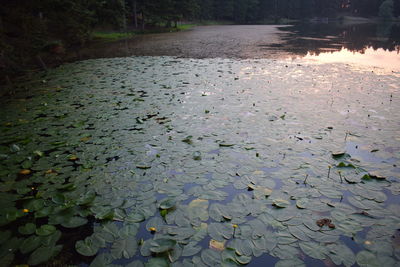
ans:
(87, 247)
(27, 229)
(338, 154)
(367, 259)
(191, 249)
(155, 224)
(280, 203)
(220, 231)
(197, 209)
(30, 244)
(124, 248)
(45, 230)
(74, 222)
(295, 262)
(219, 212)
(161, 245)
(43, 254)
(157, 262)
(135, 217)
(4, 236)
(211, 257)
(167, 203)
(314, 250)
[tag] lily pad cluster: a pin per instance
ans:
(159, 161)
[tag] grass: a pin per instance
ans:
(109, 36)
(184, 27)
(112, 36)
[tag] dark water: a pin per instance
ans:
(375, 45)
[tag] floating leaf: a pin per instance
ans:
(136, 263)
(135, 217)
(161, 245)
(143, 167)
(294, 262)
(87, 247)
(225, 145)
(197, 208)
(280, 203)
(167, 203)
(45, 230)
(262, 192)
(43, 254)
(302, 203)
(145, 248)
(27, 229)
(338, 154)
(155, 224)
(74, 222)
(58, 198)
(219, 231)
(4, 236)
(243, 259)
(314, 250)
(7, 258)
(219, 212)
(376, 175)
(25, 172)
(124, 248)
(217, 245)
(211, 257)
(367, 259)
(188, 140)
(340, 253)
(157, 262)
(30, 244)
(191, 249)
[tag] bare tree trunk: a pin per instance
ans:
(41, 62)
(135, 14)
(143, 21)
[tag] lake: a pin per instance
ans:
(248, 148)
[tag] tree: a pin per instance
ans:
(386, 10)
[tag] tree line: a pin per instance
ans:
(29, 27)
(153, 12)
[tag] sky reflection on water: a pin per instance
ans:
(389, 60)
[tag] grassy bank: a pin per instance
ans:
(111, 36)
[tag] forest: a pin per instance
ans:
(31, 27)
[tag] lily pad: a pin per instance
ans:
(45, 230)
(88, 247)
(167, 203)
(280, 203)
(124, 248)
(367, 259)
(314, 250)
(43, 254)
(27, 229)
(161, 245)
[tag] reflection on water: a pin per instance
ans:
(366, 44)
(369, 57)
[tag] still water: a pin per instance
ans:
(375, 45)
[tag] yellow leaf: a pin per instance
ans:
(86, 138)
(73, 157)
(50, 171)
(25, 172)
(217, 245)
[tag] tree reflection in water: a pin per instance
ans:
(372, 44)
